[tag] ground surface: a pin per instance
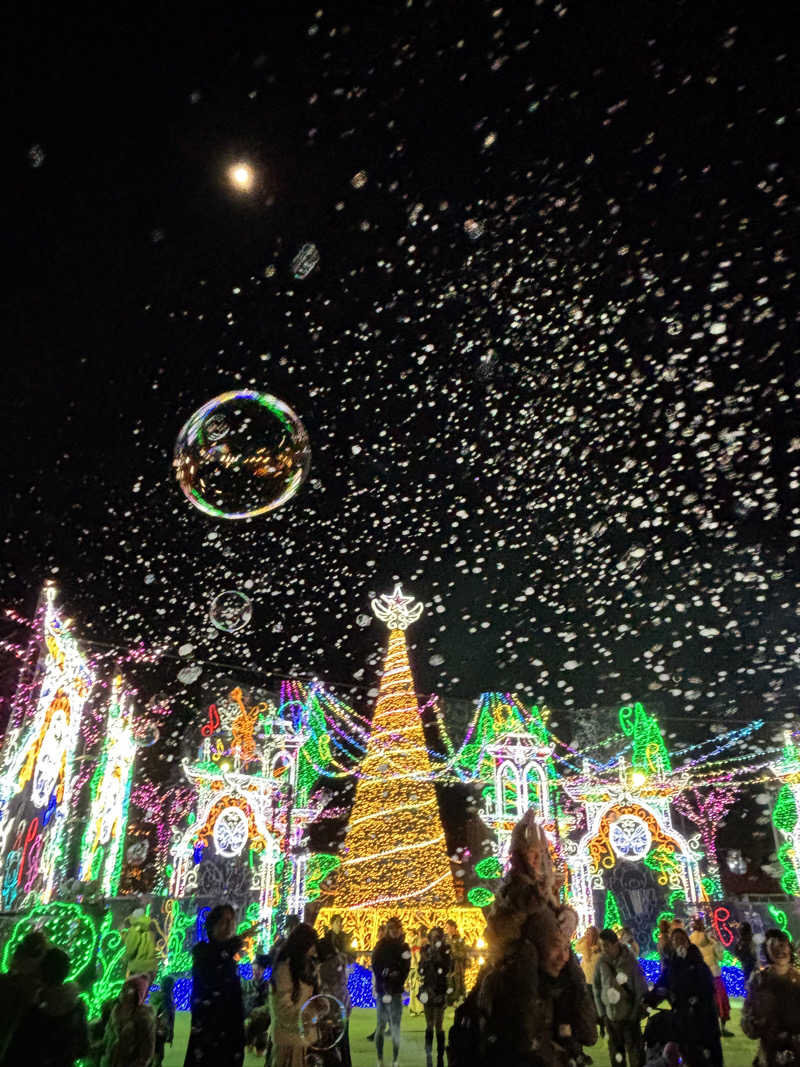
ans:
(739, 1051)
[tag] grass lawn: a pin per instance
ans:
(738, 1050)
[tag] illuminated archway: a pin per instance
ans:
(631, 829)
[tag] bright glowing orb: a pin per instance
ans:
(241, 176)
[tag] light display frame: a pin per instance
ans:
(37, 767)
(102, 846)
(642, 793)
(259, 778)
(786, 815)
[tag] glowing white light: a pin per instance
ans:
(231, 831)
(241, 176)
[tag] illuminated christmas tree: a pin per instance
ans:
(394, 859)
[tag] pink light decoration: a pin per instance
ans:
(706, 812)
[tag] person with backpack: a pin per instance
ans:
(435, 966)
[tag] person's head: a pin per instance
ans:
(336, 924)
(435, 936)
(672, 1054)
(665, 927)
(260, 964)
(626, 935)
(381, 931)
(221, 922)
(300, 952)
(745, 931)
(133, 992)
(591, 936)
(167, 986)
(698, 924)
(450, 928)
(554, 956)
(394, 928)
(680, 941)
(778, 948)
(292, 922)
(609, 944)
(422, 933)
(29, 952)
(54, 967)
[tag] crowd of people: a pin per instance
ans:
(538, 1001)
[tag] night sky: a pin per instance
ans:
(546, 360)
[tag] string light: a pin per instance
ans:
(37, 763)
(393, 858)
(101, 847)
(785, 815)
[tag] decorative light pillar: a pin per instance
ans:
(104, 836)
(37, 766)
(786, 815)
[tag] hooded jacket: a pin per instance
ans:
(619, 986)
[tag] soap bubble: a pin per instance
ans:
(322, 1021)
(305, 261)
(241, 454)
(145, 733)
(230, 611)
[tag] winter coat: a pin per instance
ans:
(710, 949)
(435, 966)
(688, 984)
(458, 971)
(771, 1014)
(217, 1034)
(619, 987)
(745, 952)
(524, 1017)
(391, 962)
(18, 993)
(53, 1032)
(255, 994)
(288, 1042)
(129, 1040)
(333, 978)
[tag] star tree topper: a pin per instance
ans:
(397, 611)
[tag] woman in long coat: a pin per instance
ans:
(688, 984)
(294, 980)
(217, 1034)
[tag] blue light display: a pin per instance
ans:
(359, 983)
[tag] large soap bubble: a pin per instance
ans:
(322, 1022)
(242, 454)
(230, 611)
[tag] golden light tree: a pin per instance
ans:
(394, 857)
